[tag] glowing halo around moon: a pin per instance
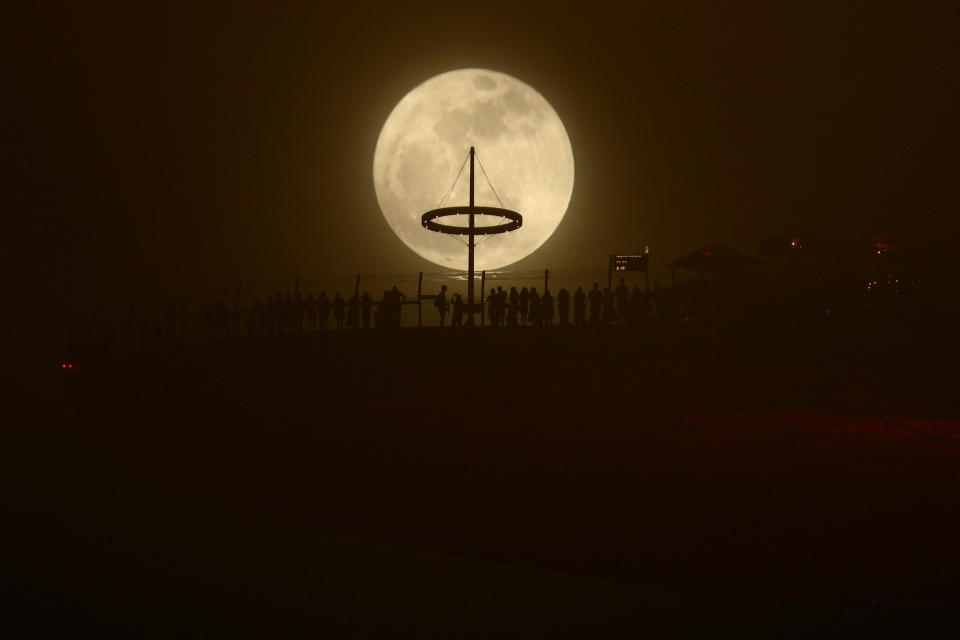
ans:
(520, 141)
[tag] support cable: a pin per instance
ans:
(490, 184)
(455, 180)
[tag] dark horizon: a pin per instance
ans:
(158, 149)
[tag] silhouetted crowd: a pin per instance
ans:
(794, 297)
(527, 307)
(694, 301)
(788, 290)
(295, 313)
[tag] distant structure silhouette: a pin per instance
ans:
(514, 221)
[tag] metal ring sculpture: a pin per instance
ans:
(514, 218)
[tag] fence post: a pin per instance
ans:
(419, 300)
(483, 284)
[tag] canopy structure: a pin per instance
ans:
(713, 258)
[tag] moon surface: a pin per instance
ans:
(519, 140)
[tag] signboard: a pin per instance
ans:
(629, 262)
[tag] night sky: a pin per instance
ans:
(167, 147)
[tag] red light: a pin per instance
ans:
(69, 366)
(63, 366)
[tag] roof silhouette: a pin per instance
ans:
(713, 258)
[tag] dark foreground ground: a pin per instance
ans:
(663, 482)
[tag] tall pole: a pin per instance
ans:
(483, 297)
(420, 300)
(470, 247)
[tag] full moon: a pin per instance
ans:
(520, 142)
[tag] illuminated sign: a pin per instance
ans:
(629, 262)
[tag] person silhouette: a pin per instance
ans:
(637, 307)
(298, 311)
(353, 312)
(513, 308)
(579, 307)
(441, 303)
(338, 308)
(623, 299)
(535, 309)
(288, 313)
(208, 320)
(273, 313)
(366, 306)
(492, 307)
(397, 298)
(546, 307)
(596, 303)
(524, 306)
(457, 303)
(563, 306)
(311, 306)
(609, 307)
(323, 309)
(501, 306)
(255, 322)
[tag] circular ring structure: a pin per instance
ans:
(514, 218)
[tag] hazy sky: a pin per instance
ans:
(158, 147)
